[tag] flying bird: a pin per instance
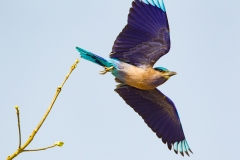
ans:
(136, 49)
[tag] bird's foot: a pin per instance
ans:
(106, 69)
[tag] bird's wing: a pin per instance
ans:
(146, 36)
(159, 113)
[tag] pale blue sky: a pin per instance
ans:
(37, 48)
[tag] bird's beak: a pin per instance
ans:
(170, 73)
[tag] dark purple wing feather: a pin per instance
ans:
(145, 38)
(158, 112)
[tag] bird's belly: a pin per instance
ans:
(141, 83)
(145, 79)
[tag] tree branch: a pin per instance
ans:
(19, 127)
(31, 137)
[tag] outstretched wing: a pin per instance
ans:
(146, 36)
(159, 113)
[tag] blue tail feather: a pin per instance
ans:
(93, 58)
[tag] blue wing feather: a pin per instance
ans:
(159, 113)
(146, 36)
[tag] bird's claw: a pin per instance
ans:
(106, 69)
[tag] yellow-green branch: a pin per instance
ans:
(31, 137)
(59, 144)
(19, 127)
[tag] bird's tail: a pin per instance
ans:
(93, 58)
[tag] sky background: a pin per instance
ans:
(37, 48)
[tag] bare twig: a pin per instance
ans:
(19, 127)
(31, 137)
(59, 144)
(33, 150)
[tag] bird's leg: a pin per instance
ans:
(106, 69)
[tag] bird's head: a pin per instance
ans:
(165, 72)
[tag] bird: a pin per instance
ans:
(144, 40)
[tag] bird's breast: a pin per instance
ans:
(142, 78)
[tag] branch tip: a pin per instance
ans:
(59, 144)
(16, 107)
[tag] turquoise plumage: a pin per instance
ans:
(93, 58)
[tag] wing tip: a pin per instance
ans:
(190, 150)
(187, 153)
(176, 151)
(157, 3)
(169, 146)
(182, 154)
(182, 147)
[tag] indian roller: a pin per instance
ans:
(137, 48)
